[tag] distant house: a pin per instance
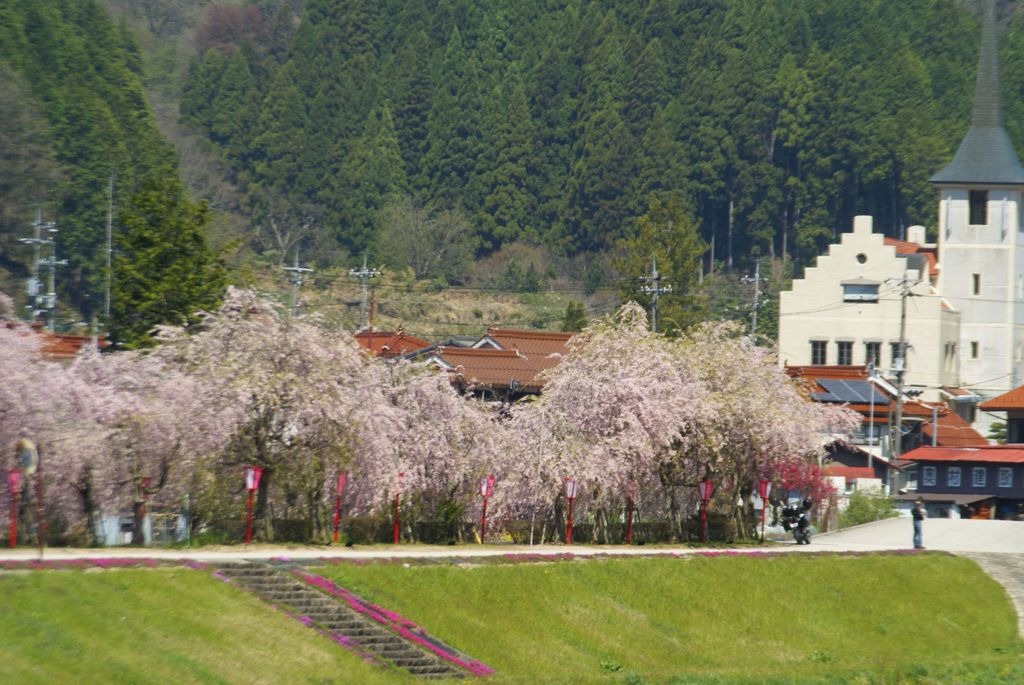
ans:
(971, 482)
(1012, 403)
(845, 310)
(867, 457)
(504, 364)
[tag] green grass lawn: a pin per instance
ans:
(165, 625)
(788, 619)
(914, 619)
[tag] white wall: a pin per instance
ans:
(814, 309)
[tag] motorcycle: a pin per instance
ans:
(795, 519)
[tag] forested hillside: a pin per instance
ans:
(558, 123)
(509, 144)
(73, 120)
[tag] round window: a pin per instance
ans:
(861, 258)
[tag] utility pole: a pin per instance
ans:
(296, 276)
(756, 280)
(43, 303)
(654, 290)
(900, 364)
(364, 275)
(110, 249)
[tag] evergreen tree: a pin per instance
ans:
(669, 238)
(509, 207)
(163, 272)
(372, 178)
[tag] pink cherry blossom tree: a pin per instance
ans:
(43, 401)
(310, 401)
(608, 414)
(159, 427)
(758, 423)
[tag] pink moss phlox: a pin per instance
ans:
(395, 622)
(220, 576)
(196, 565)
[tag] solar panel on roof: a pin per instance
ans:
(857, 392)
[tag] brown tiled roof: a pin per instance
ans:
(1002, 454)
(904, 248)
(389, 343)
(59, 346)
(828, 372)
(1013, 399)
(849, 472)
(531, 343)
(954, 431)
(495, 368)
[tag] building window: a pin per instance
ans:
(894, 348)
(844, 353)
(953, 477)
(976, 284)
(819, 353)
(928, 477)
(974, 349)
(860, 292)
(978, 476)
(873, 353)
(979, 207)
(1006, 476)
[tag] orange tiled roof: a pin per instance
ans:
(903, 247)
(59, 346)
(389, 343)
(1003, 454)
(531, 343)
(849, 472)
(828, 372)
(1013, 399)
(954, 431)
(495, 368)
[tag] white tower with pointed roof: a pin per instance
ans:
(981, 243)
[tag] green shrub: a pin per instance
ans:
(866, 507)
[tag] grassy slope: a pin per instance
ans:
(921, 619)
(863, 619)
(157, 626)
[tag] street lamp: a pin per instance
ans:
(252, 484)
(705, 488)
(14, 488)
(571, 488)
(28, 456)
(764, 488)
(486, 490)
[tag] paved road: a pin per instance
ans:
(950, 535)
(993, 537)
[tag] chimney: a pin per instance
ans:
(917, 235)
(862, 223)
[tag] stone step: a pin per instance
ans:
(328, 613)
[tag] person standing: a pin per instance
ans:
(919, 513)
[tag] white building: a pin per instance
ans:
(846, 310)
(965, 319)
(981, 246)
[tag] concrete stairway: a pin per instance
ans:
(347, 626)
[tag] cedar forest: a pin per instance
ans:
(710, 133)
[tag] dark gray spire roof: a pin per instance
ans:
(986, 155)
